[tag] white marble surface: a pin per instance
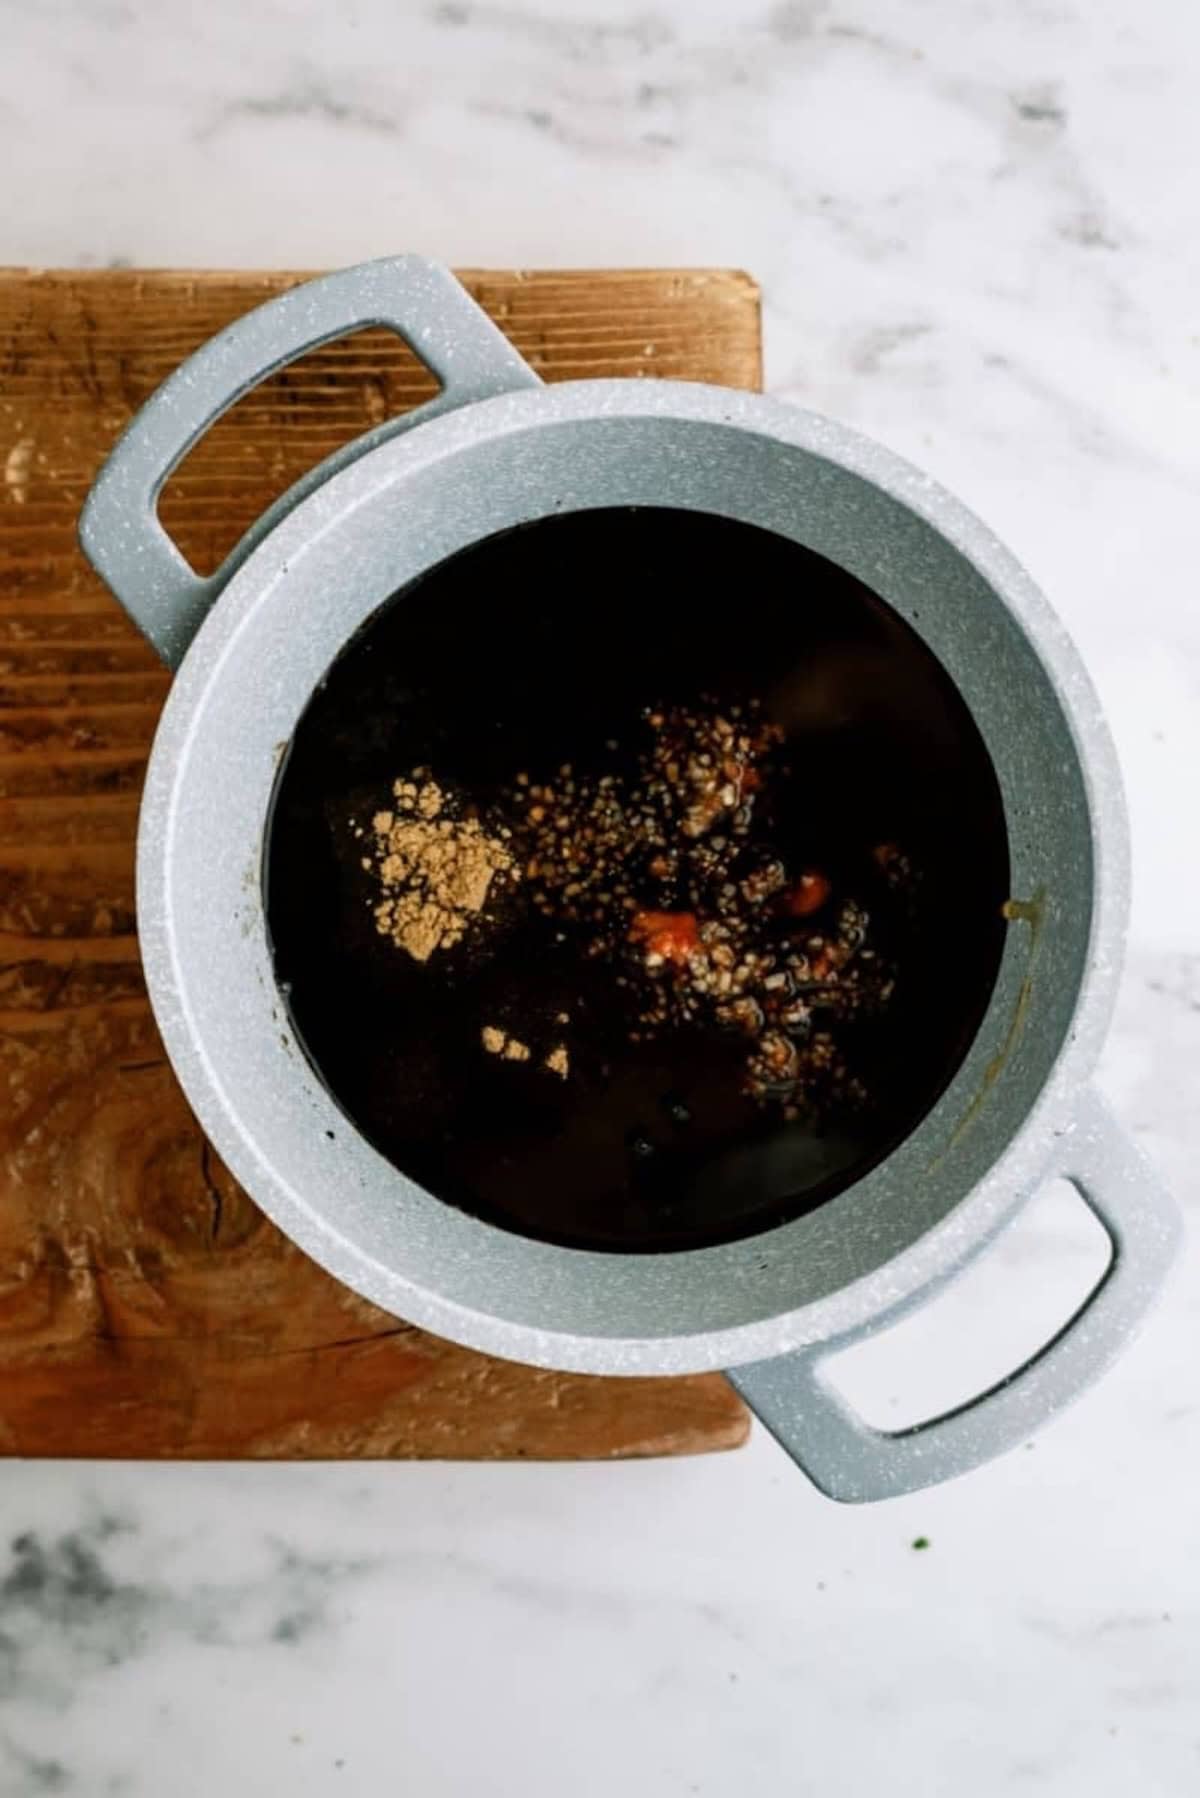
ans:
(976, 226)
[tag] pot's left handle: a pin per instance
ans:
(120, 530)
(848, 1459)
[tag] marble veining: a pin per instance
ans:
(977, 236)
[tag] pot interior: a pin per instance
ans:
(544, 648)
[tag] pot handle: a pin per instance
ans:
(120, 530)
(851, 1461)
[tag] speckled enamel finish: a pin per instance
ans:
(498, 449)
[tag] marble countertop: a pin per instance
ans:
(976, 230)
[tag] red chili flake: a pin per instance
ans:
(822, 965)
(672, 934)
(806, 895)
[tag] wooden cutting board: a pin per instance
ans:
(147, 1308)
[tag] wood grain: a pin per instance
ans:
(146, 1306)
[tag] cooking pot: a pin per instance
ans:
(251, 644)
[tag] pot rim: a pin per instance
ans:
(905, 1277)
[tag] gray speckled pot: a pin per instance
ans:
(496, 448)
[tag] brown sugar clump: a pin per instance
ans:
(559, 1062)
(498, 1042)
(435, 869)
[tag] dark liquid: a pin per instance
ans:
(536, 648)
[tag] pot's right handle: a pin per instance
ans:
(850, 1460)
(120, 530)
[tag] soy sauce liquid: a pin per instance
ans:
(542, 646)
